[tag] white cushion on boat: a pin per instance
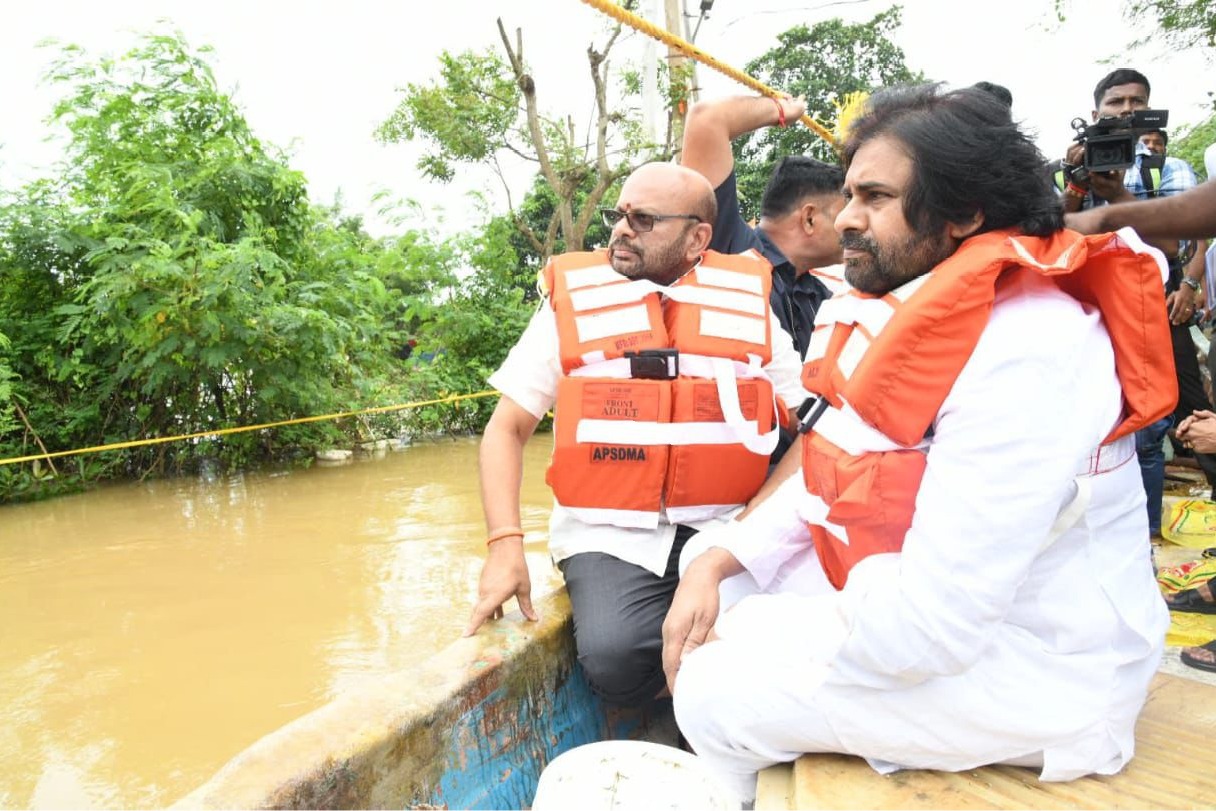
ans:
(628, 775)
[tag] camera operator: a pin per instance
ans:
(1117, 97)
(1156, 141)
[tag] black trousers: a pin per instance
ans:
(618, 611)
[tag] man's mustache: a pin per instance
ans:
(623, 243)
(856, 241)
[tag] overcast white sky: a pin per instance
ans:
(317, 78)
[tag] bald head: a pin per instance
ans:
(688, 191)
(671, 212)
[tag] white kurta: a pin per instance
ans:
(529, 376)
(981, 642)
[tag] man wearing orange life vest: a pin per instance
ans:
(668, 375)
(959, 574)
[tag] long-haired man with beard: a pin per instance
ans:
(959, 574)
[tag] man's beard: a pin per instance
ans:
(662, 264)
(889, 267)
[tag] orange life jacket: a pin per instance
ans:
(663, 403)
(884, 366)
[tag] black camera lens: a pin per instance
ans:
(1110, 153)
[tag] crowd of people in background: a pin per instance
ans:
(835, 478)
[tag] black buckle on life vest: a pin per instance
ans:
(654, 364)
(809, 413)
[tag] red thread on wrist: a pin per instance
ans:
(780, 111)
(1077, 190)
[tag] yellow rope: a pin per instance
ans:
(667, 38)
(222, 431)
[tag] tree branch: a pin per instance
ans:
(37, 439)
(520, 223)
(528, 88)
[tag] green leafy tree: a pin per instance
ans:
(825, 63)
(537, 211)
(173, 277)
(8, 404)
(481, 307)
(1190, 144)
(487, 109)
(1185, 23)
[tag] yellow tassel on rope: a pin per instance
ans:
(847, 111)
(671, 40)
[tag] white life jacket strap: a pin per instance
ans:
(634, 290)
(736, 429)
(706, 366)
(616, 368)
(610, 295)
(728, 391)
(728, 400)
(849, 432)
(871, 313)
(636, 432)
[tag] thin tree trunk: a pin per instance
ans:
(34, 433)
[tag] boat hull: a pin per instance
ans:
(471, 728)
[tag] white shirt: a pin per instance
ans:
(529, 376)
(980, 616)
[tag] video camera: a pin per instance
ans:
(1110, 142)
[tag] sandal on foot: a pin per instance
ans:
(1192, 601)
(1191, 660)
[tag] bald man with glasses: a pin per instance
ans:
(669, 376)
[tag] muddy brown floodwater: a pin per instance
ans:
(152, 631)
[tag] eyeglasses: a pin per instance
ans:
(641, 222)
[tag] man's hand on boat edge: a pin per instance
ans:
(504, 575)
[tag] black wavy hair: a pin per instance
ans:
(795, 178)
(968, 155)
(998, 90)
(1116, 78)
(1165, 136)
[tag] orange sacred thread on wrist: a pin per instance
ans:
(505, 532)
